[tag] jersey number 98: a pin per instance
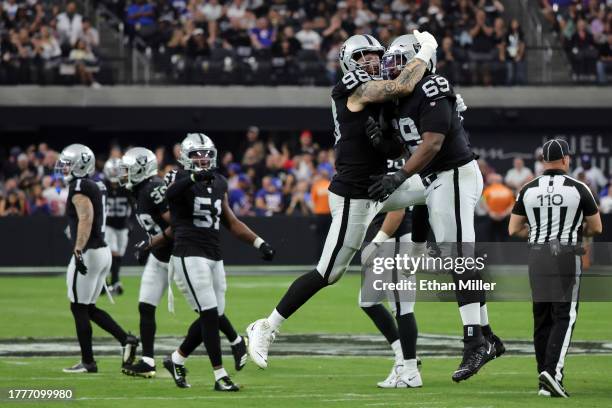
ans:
(203, 216)
(354, 78)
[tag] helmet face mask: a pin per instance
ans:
(369, 62)
(204, 159)
(401, 51)
(356, 48)
(198, 153)
(392, 65)
(75, 161)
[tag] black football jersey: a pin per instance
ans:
(356, 160)
(150, 204)
(196, 218)
(406, 226)
(432, 108)
(96, 192)
(118, 206)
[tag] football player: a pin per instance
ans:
(198, 204)
(432, 130)
(138, 173)
(91, 257)
(355, 101)
(118, 212)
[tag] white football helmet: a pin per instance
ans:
(354, 48)
(111, 169)
(75, 161)
(136, 165)
(401, 51)
(198, 153)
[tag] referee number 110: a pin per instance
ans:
(550, 199)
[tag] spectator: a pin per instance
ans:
(239, 196)
(13, 204)
(518, 175)
(252, 142)
(237, 10)
(84, 61)
(538, 167)
(55, 194)
(38, 204)
(319, 192)
(498, 201)
(300, 200)
(306, 143)
(483, 51)
(48, 50)
(210, 10)
(140, 19)
(604, 63)
(308, 38)
(583, 53)
(268, 200)
(69, 25)
(594, 177)
(448, 65)
(262, 35)
(90, 35)
(516, 69)
(605, 204)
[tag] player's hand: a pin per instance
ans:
(267, 252)
(461, 106)
(79, 264)
(385, 185)
(373, 132)
(142, 250)
(368, 253)
(203, 176)
(428, 45)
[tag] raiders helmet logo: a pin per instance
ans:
(141, 160)
(85, 157)
(417, 47)
(342, 50)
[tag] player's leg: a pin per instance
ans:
(194, 276)
(153, 285)
(74, 281)
(100, 260)
(411, 192)
(350, 219)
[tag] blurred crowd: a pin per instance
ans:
(298, 41)
(585, 31)
(267, 178)
(42, 42)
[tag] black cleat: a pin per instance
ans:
(82, 368)
(129, 350)
(140, 369)
(240, 354)
(178, 373)
(553, 386)
(116, 289)
(473, 360)
(226, 384)
(497, 343)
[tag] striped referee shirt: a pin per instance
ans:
(555, 205)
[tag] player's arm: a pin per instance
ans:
(178, 187)
(85, 215)
(241, 231)
(165, 236)
(517, 227)
(392, 221)
(592, 225)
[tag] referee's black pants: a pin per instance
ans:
(555, 283)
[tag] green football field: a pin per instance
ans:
(35, 309)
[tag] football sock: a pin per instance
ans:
(420, 223)
(106, 322)
(83, 330)
(147, 328)
(226, 328)
(149, 360)
(410, 364)
(220, 373)
(383, 320)
(209, 322)
(275, 319)
(115, 265)
(178, 359)
(472, 334)
(193, 338)
(302, 289)
(470, 314)
(237, 341)
(396, 346)
(484, 314)
(408, 333)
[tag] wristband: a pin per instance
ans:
(381, 236)
(258, 242)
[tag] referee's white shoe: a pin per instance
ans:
(391, 380)
(260, 336)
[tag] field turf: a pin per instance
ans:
(37, 307)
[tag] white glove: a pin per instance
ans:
(461, 106)
(368, 253)
(428, 45)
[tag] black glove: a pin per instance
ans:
(267, 252)
(142, 250)
(79, 264)
(384, 185)
(373, 132)
(203, 176)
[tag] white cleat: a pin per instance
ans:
(409, 379)
(391, 380)
(260, 336)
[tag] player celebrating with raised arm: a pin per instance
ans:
(198, 203)
(433, 132)
(91, 258)
(351, 209)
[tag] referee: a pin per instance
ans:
(550, 212)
